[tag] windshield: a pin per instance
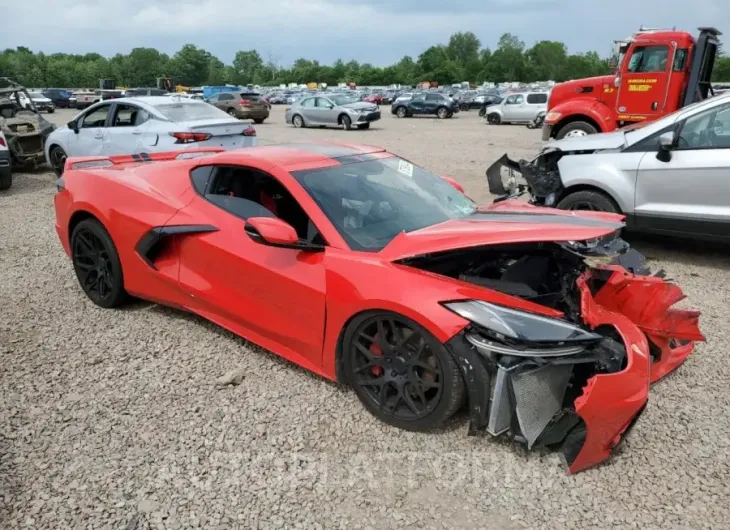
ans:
(36, 95)
(342, 100)
(371, 202)
(190, 110)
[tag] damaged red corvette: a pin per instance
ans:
(366, 269)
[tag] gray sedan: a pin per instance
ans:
(330, 111)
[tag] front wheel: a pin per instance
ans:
(346, 123)
(494, 119)
(96, 263)
(232, 113)
(401, 112)
(482, 112)
(51, 111)
(575, 129)
(363, 126)
(443, 113)
(57, 158)
(588, 200)
(400, 372)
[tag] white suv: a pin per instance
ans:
(518, 108)
(6, 172)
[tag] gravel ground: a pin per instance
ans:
(112, 419)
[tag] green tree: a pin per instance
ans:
(547, 60)
(245, 64)
(189, 66)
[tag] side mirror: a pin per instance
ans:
(74, 126)
(276, 233)
(666, 144)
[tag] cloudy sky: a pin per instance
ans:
(375, 31)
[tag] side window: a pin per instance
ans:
(705, 130)
(419, 97)
(324, 103)
(125, 116)
(246, 192)
(225, 97)
(200, 176)
(96, 118)
(307, 103)
(649, 59)
(680, 60)
(537, 99)
(433, 97)
(511, 100)
(213, 99)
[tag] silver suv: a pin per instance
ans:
(518, 108)
(670, 176)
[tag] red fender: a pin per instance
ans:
(598, 112)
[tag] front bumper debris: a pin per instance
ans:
(654, 339)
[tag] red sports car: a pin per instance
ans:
(366, 269)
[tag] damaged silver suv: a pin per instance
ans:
(670, 176)
(24, 130)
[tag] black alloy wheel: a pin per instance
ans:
(97, 265)
(58, 159)
(401, 373)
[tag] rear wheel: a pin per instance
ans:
(51, 111)
(494, 118)
(6, 179)
(58, 158)
(482, 112)
(346, 122)
(400, 372)
(588, 200)
(401, 112)
(298, 121)
(232, 112)
(575, 129)
(97, 264)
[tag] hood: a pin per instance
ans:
(360, 105)
(570, 89)
(505, 224)
(592, 142)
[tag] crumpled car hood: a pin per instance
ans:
(510, 223)
(592, 142)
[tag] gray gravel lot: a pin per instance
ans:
(112, 419)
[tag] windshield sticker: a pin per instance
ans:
(406, 168)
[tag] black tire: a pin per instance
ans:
(298, 122)
(6, 180)
(57, 157)
(494, 118)
(401, 112)
(443, 113)
(51, 111)
(589, 200)
(578, 128)
(259, 120)
(96, 263)
(232, 113)
(363, 126)
(482, 112)
(346, 122)
(420, 371)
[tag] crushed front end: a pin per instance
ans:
(579, 381)
(540, 175)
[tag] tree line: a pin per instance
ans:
(462, 59)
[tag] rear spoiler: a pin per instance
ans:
(87, 162)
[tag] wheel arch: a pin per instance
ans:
(343, 115)
(574, 118)
(78, 216)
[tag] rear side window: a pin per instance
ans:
(434, 97)
(308, 103)
(680, 60)
(537, 98)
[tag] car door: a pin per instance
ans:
(689, 191)
(324, 110)
(417, 104)
(510, 107)
(433, 102)
(307, 108)
(92, 126)
(273, 296)
(128, 131)
(535, 103)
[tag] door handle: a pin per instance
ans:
(136, 132)
(654, 105)
(99, 136)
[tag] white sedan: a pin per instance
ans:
(127, 126)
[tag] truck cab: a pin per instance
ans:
(658, 71)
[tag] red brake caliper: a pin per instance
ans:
(377, 371)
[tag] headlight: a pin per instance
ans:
(355, 111)
(520, 333)
(552, 117)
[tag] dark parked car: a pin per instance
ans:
(62, 99)
(428, 103)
